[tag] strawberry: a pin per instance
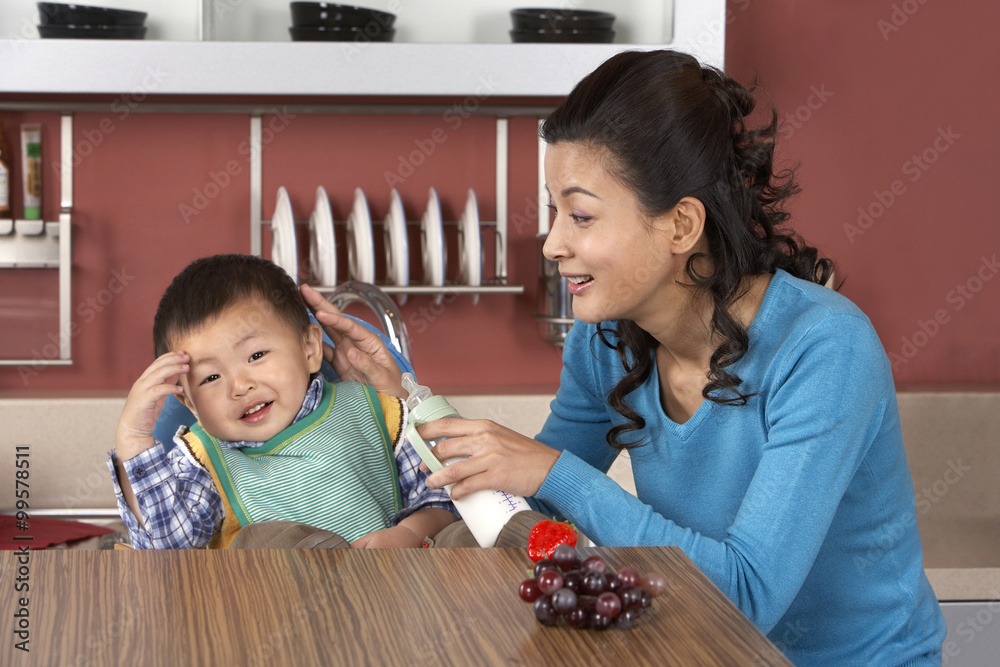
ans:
(546, 535)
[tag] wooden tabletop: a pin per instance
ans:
(345, 607)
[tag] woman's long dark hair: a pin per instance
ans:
(673, 128)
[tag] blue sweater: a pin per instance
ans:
(799, 506)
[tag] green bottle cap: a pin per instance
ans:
(431, 409)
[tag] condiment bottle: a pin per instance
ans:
(485, 512)
(5, 175)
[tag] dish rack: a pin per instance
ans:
(38, 244)
(497, 284)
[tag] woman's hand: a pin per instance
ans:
(499, 458)
(357, 353)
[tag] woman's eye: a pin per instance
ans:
(257, 355)
(210, 378)
(579, 219)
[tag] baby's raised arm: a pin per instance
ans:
(143, 405)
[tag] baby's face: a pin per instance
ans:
(249, 371)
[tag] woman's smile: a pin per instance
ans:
(577, 284)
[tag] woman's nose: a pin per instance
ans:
(555, 246)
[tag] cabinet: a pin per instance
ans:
(151, 67)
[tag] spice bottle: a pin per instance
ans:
(5, 175)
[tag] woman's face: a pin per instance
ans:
(618, 261)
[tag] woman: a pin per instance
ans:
(758, 406)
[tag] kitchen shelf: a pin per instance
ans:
(38, 244)
(449, 288)
(84, 67)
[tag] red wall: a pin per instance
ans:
(147, 202)
(916, 267)
(894, 83)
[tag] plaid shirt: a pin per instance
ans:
(182, 509)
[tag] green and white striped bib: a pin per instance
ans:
(333, 469)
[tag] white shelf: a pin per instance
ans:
(150, 67)
(275, 68)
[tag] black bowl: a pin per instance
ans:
(323, 14)
(57, 14)
(561, 19)
(92, 31)
(563, 36)
(341, 34)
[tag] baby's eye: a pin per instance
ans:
(257, 355)
(210, 378)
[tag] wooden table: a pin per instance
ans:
(347, 607)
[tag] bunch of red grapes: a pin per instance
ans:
(587, 594)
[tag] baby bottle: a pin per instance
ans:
(485, 512)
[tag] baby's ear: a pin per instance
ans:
(187, 403)
(313, 341)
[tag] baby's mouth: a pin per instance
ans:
(257, 412)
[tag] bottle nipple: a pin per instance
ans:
(416, 393)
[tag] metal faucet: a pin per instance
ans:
(383, 307)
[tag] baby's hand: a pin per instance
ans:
(397, 537)
(145, 401)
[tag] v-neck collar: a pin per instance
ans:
(685, 429)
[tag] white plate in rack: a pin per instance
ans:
(360, 243)
(432, 242)
(397, 252)
(470, 245)
(284, 251)
(322, 244)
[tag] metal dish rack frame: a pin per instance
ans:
(496, 285)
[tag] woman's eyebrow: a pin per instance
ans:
(574, 189)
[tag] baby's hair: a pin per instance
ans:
(210, 285)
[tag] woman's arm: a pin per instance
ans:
(820, 421)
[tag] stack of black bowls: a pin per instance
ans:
(327, 22)
(562, 25)
(60, 21)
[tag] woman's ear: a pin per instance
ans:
(689, 224)
(314, 347)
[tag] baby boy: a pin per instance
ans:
(274, 440)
